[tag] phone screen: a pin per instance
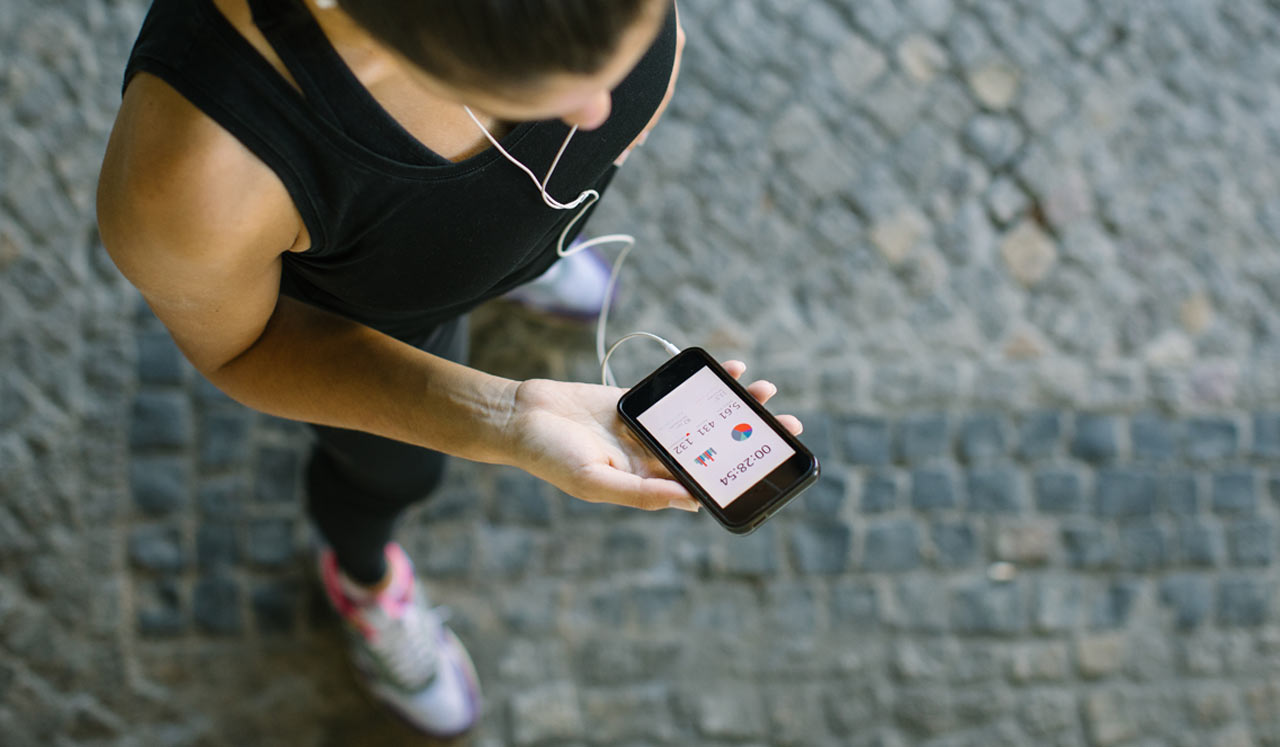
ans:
(719, 440)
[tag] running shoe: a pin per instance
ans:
(572, 288)
(405, 654)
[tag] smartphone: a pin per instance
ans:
(717, 440)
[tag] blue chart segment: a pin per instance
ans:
(741, 432)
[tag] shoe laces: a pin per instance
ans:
(405, 638)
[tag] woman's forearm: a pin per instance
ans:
(316, 367)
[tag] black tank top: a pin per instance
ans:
(402, 239)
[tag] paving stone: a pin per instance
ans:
(159, 483)
(1126, 492)
(730, 711)
(1039, 434)
(1006, 200)
(955, 544)
(1242, 601)
(1096, 439)
(923, 437)
(216, 545)
(923, 712)
(879, 493)
(1211, 439)
(215, 605)
(1200, 542)
(821, 547)
(1252, 542)
(1059, 491)
(1109, 718)
(159, 360)
(157, 548)
(827, 497)
(857, 64)
(161, 419)
(1143, 546)
(546, 713)
(1190, 597)
(1058, 605)
(277, 476)
(1025, 542)
(997, 140)
(1235, 493)
(994, 84)
(1087, 547)
(982, 437)
(866, 441)
(994, 490)
(921, 57)
(270, 542)
(753, 555)
(642, 714)
(1179, 494)
(225, 438)
(275, 606)
(891, 545)
(1154, 437)
(1113, 607)
(917, 606)
(222, 497)
(988, 609)
(933, 489)
(881, 19)
(160, 608)
(854, 604)
(1266, 435)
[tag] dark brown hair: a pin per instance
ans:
(505, 43)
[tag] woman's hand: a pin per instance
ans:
(571, 436)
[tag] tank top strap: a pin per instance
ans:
(327, 83)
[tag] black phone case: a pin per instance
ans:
(649, 391)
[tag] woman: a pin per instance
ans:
(308, 199)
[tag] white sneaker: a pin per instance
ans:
(573, 288)
(406, 655)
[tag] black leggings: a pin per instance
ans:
(359, 484)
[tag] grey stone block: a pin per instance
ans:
(270, 542)
(1143, 546)
(753, 555)
(225, 438)
(1212, 439)
(1096, 438)
(160, 608)
(216, 545)
(507, 550)
(1179, 494)
(879, 493)
(1235, 492)
(159, 483)
(159, 360)
(547, 714)
(988, 609)
(1039, 434)
(1114, 604)
(1252, 542)
(1087, 547)
(854, 604)
(866, 441)
(923, 437)
(1059, 604)
(955, 544)
(729, 712)
(448, 554)
(1266, 435)
(222, 497)
(1126, 492)
(1190, 597)
(826, 497)
(933, 489)
(277, 475)
(821, 547)
(1154, 437)
(275, 606)
(891, 545)
(994, 490)
(1059, 492)
(160, 420)
(880, 19)
(994, 139)
(982, 437)
(215, 605)
(520, 499)
(1243, 601)
(1200, 542)
(919, 603)
(157, 548)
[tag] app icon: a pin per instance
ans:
(741, 432)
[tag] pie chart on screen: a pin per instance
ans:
(741, 432)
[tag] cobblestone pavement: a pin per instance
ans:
(1017, 265)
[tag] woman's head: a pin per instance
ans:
(518, 59)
